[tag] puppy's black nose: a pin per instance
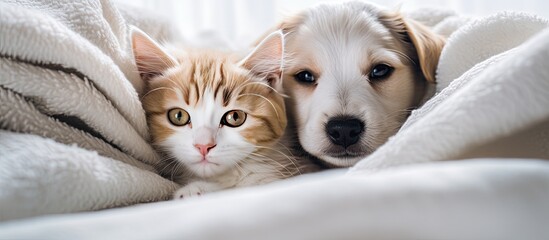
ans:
(344, 131)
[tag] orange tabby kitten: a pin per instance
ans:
(219, 118)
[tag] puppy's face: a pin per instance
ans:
(353, 74)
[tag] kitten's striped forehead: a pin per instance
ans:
(199, 78)
(213, 73)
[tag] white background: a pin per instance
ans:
(241, 21)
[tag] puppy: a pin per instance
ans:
(354, 73)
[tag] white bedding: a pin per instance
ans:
(492, 102)
(72, 130)
(477, 199)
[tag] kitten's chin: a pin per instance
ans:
(207, 169)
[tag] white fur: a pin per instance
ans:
(233, 161)
(500, 198)
(340, 40)
(492, 102)
(231, 146)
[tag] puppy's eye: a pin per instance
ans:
(305, 77)
(380, 72)
(178, 117)
(234, 118)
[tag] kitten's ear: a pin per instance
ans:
(150, 58)
(267, 58)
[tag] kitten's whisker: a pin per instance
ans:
(268, 162)
(169, 162)
(291, 160)
(159, 88)
(266, 99)
(271, 160)
(266, 85)
(174, 83)
(172, 169)
(286, 147)
(175, 170)
(240, 169)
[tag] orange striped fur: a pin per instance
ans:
(206, 86)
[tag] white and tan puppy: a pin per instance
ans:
(354, 73)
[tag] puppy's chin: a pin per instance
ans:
(333, 158)
(343, 161)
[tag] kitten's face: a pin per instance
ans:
(210, 112)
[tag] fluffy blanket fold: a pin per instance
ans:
(75, 139)
(64, 71)
(492, 90)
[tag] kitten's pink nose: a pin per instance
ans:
(205, 148)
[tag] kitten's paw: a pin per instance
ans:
(195, 189)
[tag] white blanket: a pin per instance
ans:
(492, 102)
(66, 73)
(481, 199)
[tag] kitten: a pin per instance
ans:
(218, 118)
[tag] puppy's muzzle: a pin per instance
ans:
(344, 131)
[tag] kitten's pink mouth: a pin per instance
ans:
(205, 161)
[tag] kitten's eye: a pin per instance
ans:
(380, 72)
(178, 117)
(305, 77)
(234, 118)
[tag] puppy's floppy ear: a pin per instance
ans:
(290, 23)
(149, 56)
(267, 59)
(427, 44)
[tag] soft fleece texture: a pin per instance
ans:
(493, 90)
(66, 74)
(476, 199)
(493, 98)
